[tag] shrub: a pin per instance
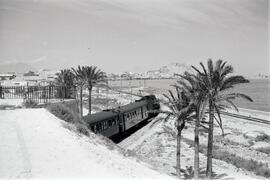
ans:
(265, 150)
(4, 107)
(250, 142)
(263, 137)
(30, 104)
(65, 113)
(82, 128)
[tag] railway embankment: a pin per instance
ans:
(37, 144)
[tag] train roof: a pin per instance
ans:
(132, 106)
(111, 113)
(103, 115)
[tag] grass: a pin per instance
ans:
(258, 168)
(65, 113)
(225, 141)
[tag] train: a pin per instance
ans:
(112, 122)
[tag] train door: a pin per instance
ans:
(141, 112)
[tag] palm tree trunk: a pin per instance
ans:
(178, 153)
(89, 100)
(196, 149)
(81, 100)
(210, 142)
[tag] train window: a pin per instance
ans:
(102, 126)
(110, 123)
(98, 127)
(94, 128)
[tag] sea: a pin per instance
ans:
(257, 89)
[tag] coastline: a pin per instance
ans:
(257, 89)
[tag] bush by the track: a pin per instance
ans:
(67, 114)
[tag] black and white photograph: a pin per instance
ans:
(135, 89)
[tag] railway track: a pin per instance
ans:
(248, 118)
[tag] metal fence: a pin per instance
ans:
(37, 94)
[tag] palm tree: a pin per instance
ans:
(190, 83)
(80, 81)
(93, 76)
(215, 81)
(65, 81)
(178, 108)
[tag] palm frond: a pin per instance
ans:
(231, 104)
(231, 81)
(197, 70)
(219, 120)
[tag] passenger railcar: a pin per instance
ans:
(114, 121)
(105, 122)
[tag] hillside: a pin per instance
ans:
(168, 70)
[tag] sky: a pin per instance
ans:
(135, 35)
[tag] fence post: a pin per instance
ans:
(1, 90)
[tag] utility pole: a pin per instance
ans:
(107, 90)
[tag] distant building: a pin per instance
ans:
(30, 73)
(28, 81)
(7, 77)
(14, 83)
